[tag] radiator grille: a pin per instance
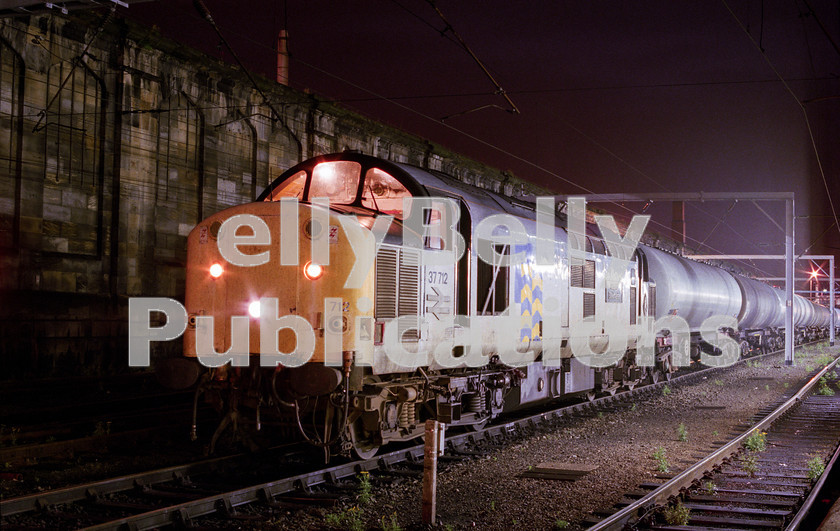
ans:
(576, 274)
(588, 305)
(652, 301)
(398, 288)
(582, 274)
(386, 283)
(589, 274)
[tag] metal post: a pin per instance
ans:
(789, 282)
(434, 448)
(831, 302)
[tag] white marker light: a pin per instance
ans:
(216, 270)
(254, 309)
(313, 271)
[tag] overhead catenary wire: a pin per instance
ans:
(199, 5)
(798, 103)
(499, 90)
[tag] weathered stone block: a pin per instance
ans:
(30, 240)
(52, 195)
(58, 281)
(184, 229)
(84, 216)
(51, 228)
(71, 198)
(82, 247)
(59, 245)
(55, 212)
(135, 286)
(30, 204)
(7, 205)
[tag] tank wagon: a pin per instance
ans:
(353, 394)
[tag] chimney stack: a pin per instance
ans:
(282, 59)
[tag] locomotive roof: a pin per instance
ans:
(421, 182)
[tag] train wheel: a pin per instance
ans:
(478, 426)
(654, 375)
(745, 349)
(363, 442)
(365, 453)
(666, 367)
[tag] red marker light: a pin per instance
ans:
(216, 270)
(313, 271)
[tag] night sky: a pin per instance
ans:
(651, 96)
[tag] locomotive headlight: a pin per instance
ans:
(216, 270)
(254, 309)
(313, 271)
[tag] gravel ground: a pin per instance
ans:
(489, 494)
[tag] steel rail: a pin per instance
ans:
(695, 472)
(33, 502)
(812, 497)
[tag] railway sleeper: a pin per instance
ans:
(789, 502)
(760, 492)
(763, 511)
(734, 472)
(748, 523)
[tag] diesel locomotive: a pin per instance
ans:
(428, 328)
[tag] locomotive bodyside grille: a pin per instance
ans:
(589, 274)
(386, 283)
(582, 274)
(398, 288)
(588, 305)
(576, 274)
(409, 292)
(652, 303)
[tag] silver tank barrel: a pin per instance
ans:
(691, 290)
(803, 311)
(780, 321)
(822, 316)
(760, 305)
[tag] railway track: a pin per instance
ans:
(178, 495)
(90, 426)
(761, 479)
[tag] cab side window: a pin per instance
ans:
(384, 193)
(291, 187)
